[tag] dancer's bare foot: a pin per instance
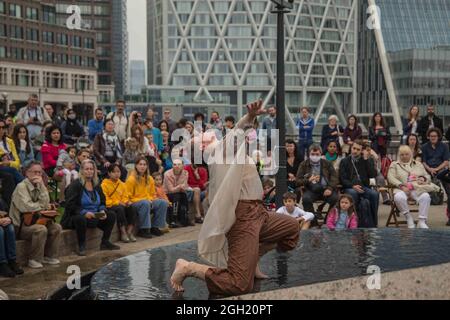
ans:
(179, 274)
(259, 275)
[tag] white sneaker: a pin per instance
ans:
(422, 224)
(410, 220)
(51, 261)
(33, 264)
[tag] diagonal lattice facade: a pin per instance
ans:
(224, 51)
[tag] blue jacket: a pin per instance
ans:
(158, 139)
(306, 134)
(95, 127)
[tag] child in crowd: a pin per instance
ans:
(160, 193)
(153, 148)
(304, 218)
(343, 216)
(131, 153)
(66, 168)
(269, 194)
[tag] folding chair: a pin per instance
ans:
(395, 212)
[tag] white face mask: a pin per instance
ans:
(314, 159)
(72, 116)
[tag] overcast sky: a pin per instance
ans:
(137, 29)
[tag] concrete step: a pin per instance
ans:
(68, 244)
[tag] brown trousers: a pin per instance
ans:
(44, 240)
(255, 232)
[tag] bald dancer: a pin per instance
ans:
(238, 230)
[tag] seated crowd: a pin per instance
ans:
(119, 171)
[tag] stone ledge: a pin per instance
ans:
(427, 283)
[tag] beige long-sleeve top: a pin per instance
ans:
(28, 198)
(229, 183)
(172, 181)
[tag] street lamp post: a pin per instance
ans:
(282, 7)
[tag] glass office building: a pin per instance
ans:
(416, 37)
(223, 53)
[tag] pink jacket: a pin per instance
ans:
(50, 154)
(333, 216)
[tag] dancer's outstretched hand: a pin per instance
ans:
(256, 108)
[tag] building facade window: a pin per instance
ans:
(76, 41)
(32, 34)
(15, 10)
(47, 37)
(16, 32)
(2, 52)
(32, 14)
(2, 7)
(49, 14)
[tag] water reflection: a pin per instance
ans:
(320, 256)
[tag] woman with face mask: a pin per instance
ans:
(71, 129)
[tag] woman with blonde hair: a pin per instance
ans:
(412, 182)
(86, 208)
(332, 132)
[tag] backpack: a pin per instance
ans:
(385, 165)
(437, 197)
(180, 208)
(366, 218)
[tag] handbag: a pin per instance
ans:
(340, 139)
(40, 217)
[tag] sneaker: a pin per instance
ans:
(132, 237)
(33, 264)
(410, 220)
(107, 245)
(156, 232)
(124, 238)
(15, 267)
(51, 261)
(144, 233)
(422, 225)
(5, 271)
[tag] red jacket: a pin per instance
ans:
(193, 182)
(50, 154)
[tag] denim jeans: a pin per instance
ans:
(160, 209)
(369, 194)
(18, 177)
(7, 244)
(143, 210)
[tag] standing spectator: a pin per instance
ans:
(151, 115)
(435, 157)
(33, 116)
(9, 122)
(134, 120)
(57, 120)
(331, 132)
(355, 172)
(305, 125)
(141, 188)
(198, 182)
(143, 144)
(171, 124)
(9, 159)
(107, 149)
(270, 123)
(190, 128)
(23, 144)
(412, 141)
(351, 133)
(199, 122)
(72, 129)
(379, 135)
(411, 124)
(86, 208)
(118, 201)
(164, 126)
(215, 122)
(319, 179)
(50, 150)
(293, 163)
(120, 120)
(166, 154)
(429, 122)
(157, 137)
(31, 196)
(95, 126)
(176, 186)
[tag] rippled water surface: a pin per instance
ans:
(321, 256)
